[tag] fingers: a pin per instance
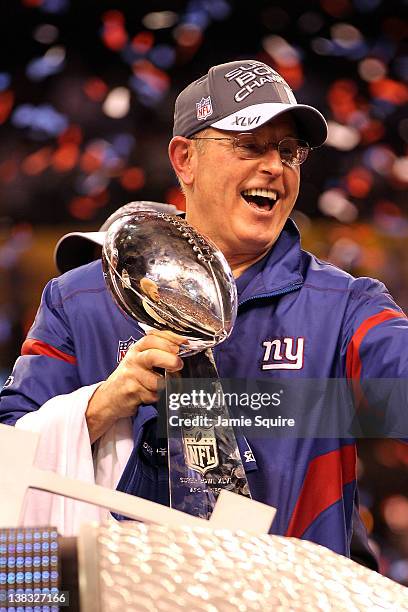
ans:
(160, 341)
(135, 376)
(154, 342)
(151, 380)
(148, 397)
(156, 358)
(153, 351)
(134, 381)
(169, 335)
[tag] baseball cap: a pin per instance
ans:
(79, 248)
(241, 96)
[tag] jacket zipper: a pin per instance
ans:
(273, 294)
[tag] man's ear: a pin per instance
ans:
(181, 157)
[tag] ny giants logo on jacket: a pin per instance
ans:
(283, 354)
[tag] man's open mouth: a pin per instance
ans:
(262, 199)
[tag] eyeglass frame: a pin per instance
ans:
(265, 146)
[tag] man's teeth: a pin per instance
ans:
(264, 193)
(262, 199)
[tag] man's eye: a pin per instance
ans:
(249, 146)
(287, 152)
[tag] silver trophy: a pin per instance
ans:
(167, 276)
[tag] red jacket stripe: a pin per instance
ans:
(322, 487)
(36, 347)
(353, 362)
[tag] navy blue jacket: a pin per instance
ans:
(298, 319)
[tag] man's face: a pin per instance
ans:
(220, 200)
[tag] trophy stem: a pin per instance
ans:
(203, 453)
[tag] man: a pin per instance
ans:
(239, 140)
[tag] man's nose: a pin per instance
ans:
(271, 161)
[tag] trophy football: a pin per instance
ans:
(167, 276)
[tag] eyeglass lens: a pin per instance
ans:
(291, 150)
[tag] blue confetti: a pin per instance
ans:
(162, 56)
(5, 80)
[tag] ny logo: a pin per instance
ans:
(283, 354)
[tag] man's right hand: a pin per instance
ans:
(134, 381)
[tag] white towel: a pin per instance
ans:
(65, 448)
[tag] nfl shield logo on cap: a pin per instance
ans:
(204, 108)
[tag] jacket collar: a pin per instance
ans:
(281, 271)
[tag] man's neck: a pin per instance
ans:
(238, 265)
(237, 262)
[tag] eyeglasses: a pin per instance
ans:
(292, 151)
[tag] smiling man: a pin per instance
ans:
(239, 140)
(253, 198)
(87, 376)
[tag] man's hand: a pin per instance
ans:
(134, 381)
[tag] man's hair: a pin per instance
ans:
(200, 146)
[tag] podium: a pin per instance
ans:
(166, 560)
(134, 566)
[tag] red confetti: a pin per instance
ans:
(341, 98)
(156, 78)
(143, 41)
(392, 91)
(83, 208)
(359, 182)
(6, 104)
(91, 159)
(65, 158)
(37, 162)
(336, 8)
(293, 74)
(114, 37)
(101, 198)
(188, 36)
(32, 3)
(114, 34)
(73, 134)
(372, 131)
(8, 171)
(175, 196)
(95, 89)
(385, 207)
(132, 178)
(113, 17)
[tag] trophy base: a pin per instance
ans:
(203, 457)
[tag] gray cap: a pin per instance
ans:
(241, 96)
(79, 248)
